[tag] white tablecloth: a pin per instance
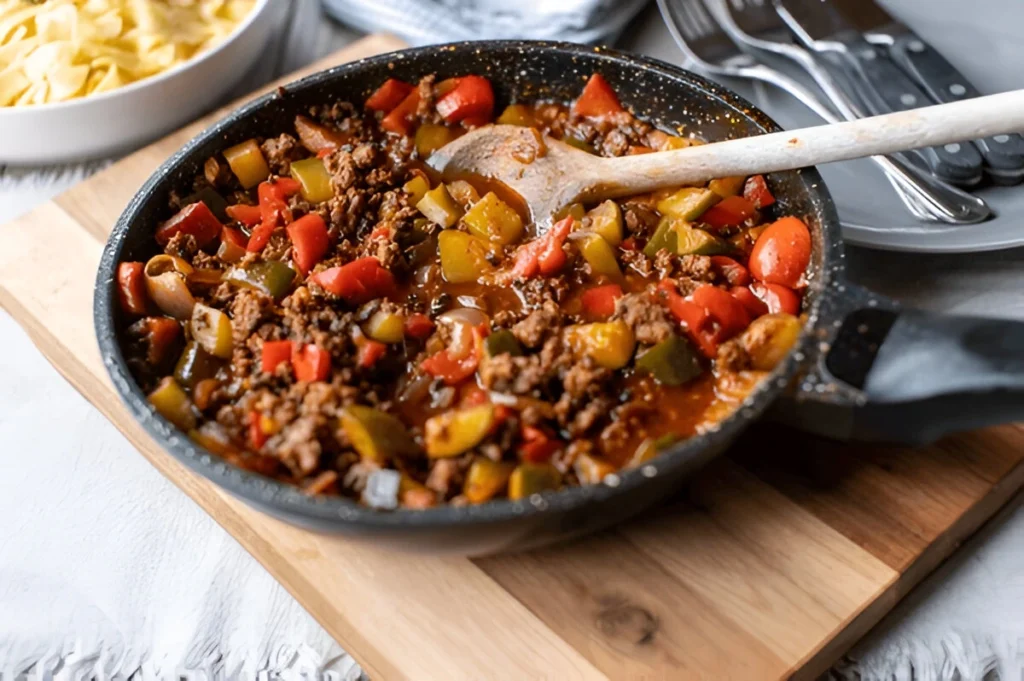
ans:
(107, 569)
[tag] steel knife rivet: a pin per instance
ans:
(908, 99)
(952, 148)
(957, 89)
(915, 46)
(1002, 139)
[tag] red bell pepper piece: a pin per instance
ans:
(471, 98)
(454, 370)
(472, 395)
(235, 236)
(257, 438)
(131, 287)
(288, 185)
(275, 352)
(537, 446)
(755, 306)
(310, 363)
(693, 318)
(389, 95)
(369, 352)
(600, 300)
(756, 191)
(597, 99)
(630, 244)
(310, 241)
(250, 216)
(543, 255)
(400, 120)
(357, 282)
(195, 219)
(446, 86)
(160, 336)
(319, 139)
(274, 211)
(728, 315)
(730, 270)
(418, 326)
(730, 211)
(778, 298)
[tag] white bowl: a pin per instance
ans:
(111, 122)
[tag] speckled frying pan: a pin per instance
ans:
(862, 368)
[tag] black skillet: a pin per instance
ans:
(862, 369)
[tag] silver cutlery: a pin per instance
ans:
(882, 85)
(706, 47)
(1003, 154)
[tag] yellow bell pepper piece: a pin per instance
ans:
(312, 175)
(576, 210)
(689, 203)
(463, 192)
(431, 137)
(693, 241)
(212, 330)
(598, 254)
(532, 478)
(728, 186)
(376, 435)
(485, 479)
(492, 219)
(610, 344)
(416, 188)
(769, 339)
(386, 327)
(170, 401)
(454, 432)
(464, 257)
(517, 114)
(606, 220)
(439, 207)
(247, 163)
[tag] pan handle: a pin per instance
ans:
(909, 376)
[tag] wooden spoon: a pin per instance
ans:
(550, 175)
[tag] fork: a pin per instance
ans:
(707, 47)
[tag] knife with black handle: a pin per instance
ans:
(877, 80)
(1003, 154)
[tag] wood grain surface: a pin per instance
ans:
(768, 566)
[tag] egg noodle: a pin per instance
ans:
(56, 50)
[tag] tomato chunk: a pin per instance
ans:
(782, 253)
(389, 95)
(310, 241)
(471, 99)
(727, 314)
(755, 306)
(451, 371)
(729, 212)
(195, 219)
(537, 446)
(400, 120)
(597, 99)
(357, 282)
(250, 216)
(274, 353)
(778, 298)
(734, 273)
(131, 287)
(756, 191)
(600, 300)
(310, 363)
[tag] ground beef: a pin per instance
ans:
(443, 475)
(732, 356)
(630, 420)
(248, 309)
(280, 151)
(182, 246)
(539, 325)
(645, 316)
(638, 262)
(217, 172)
(640, 219)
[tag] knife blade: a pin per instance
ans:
(1003, 154)
(879, 83)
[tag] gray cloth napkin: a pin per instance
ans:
(425, 22)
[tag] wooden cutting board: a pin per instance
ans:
(769, 566)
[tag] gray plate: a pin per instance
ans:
(982, 39)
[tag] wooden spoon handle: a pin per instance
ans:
(928, 126)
